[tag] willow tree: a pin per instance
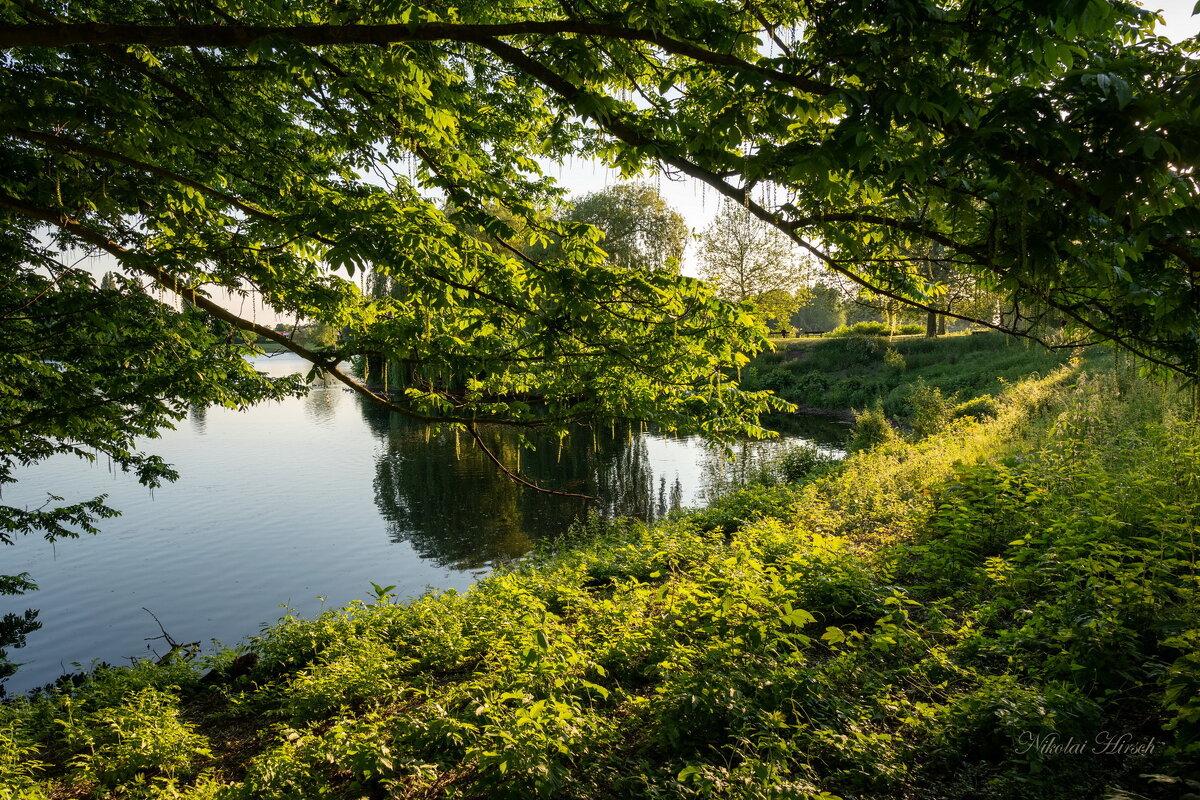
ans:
(1048, 147)
(640, 228)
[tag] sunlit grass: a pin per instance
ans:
(894, 626)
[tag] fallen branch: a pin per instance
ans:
(191, 648)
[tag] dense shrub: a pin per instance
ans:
(141, 734)
(981, 408)
(862, 329)
(778, 380)
(801, 461)
(929, 411)
(876, 329)
(871, 429)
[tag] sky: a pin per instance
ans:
(1177, 17)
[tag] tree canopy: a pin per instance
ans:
(749, 260)
(1048, 147)
(640, 228)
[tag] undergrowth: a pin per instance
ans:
(856, 372)
(931, 618)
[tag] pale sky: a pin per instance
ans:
(1178, 22)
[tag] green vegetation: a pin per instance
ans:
(856, 372)
(640, 229)
(875, 329)
(921, 620)
(1034, 169)
(749, 261)
(871, 428)
(1043, 157)
(893, 626)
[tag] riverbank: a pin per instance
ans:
(306, 501)
(968, 615)
(834, 374)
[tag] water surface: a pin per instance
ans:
(303, 503)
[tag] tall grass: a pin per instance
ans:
(855, 372)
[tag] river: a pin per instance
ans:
(302, 504)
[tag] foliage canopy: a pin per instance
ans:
(1047, 148)
(640, 228)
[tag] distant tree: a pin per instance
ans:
(640, 229)
(319, 336)
(952, 291)
(865, 307)
(747, 260)
(776, 307)
(823, 310)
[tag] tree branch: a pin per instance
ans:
(64, 143)
(632, 136)
(517, 477)
(193, 296)
(97, 33)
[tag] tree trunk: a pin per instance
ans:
(931, 325)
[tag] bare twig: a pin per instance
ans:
(176, 647)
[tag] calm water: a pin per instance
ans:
(303, 503)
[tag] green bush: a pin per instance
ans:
(876, 329)
(777, 380)
(929, 411)
(798, 463)
(144, 733)
(861, 350)
(871, 429)
(1182, 691)
(981, 408)
(862, 329)
(20, 759)
(751, 503)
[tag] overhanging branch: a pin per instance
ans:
(631, 136)
(231, 35)
(193, 296)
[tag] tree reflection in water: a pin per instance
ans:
(442, 494)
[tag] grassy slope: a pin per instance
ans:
(854, 372)
(893, 627)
